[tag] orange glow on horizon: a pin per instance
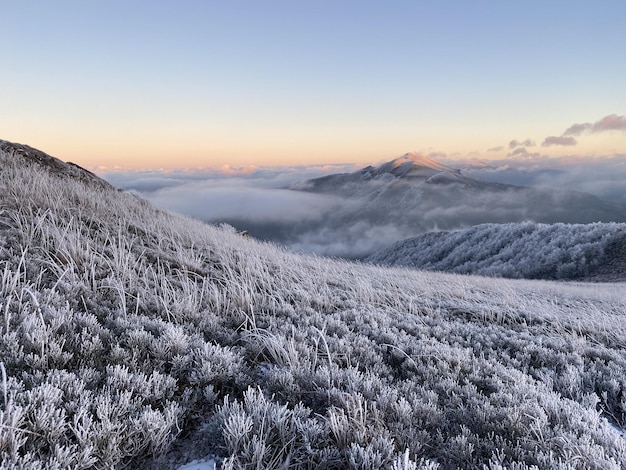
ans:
(154, 151)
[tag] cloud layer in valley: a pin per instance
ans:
(250, 194)
(604, 177)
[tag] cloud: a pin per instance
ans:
(526, 143)
(146, 181)
(215, 203)
(612, 122)
(521, 152)
(604, 177)
(246, 195)
(243, 170)
(437, 155)
(577, 129)
(354, 240)
(559, 140)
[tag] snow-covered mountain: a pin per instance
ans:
(525, 250)
(409, 167)
(136, 338)
(432, 193)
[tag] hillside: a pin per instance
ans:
(378, 205)
(527, 250)
(29, 157)
(135, 338)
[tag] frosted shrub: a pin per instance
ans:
(261, 434)
(153, 389)
(12, 437)
(404, 462)
(377, 454)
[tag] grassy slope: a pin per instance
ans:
(125, 331)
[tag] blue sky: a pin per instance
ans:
(152, 84)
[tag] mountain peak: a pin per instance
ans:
(421, 160)
(411, 164)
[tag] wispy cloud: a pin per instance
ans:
(521, 152)
(524, 143)
(577, 129)
(559, 140)
(612, 122)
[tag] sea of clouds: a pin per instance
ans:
(604, 177)
(257, 199)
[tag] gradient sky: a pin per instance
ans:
(154, 83)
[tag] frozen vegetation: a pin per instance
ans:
(525, 250)
(134, 338)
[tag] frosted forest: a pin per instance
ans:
(525, 250)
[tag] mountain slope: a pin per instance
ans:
(23, 155)
(134, 338)
(526, 250)
(376, 206)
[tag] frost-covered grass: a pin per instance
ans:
(134, 338)
(525, 250)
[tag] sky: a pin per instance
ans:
(148, 84)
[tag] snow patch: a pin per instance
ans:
(199, 465)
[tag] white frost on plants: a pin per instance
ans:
(136, 338)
